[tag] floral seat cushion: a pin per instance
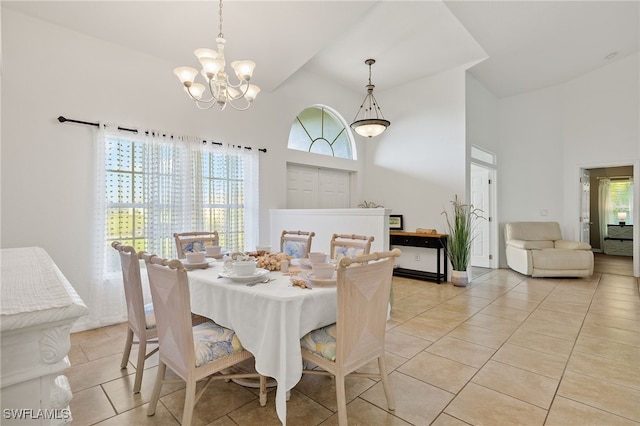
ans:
(348, 252)
(212, 341)
(297, 249)
(321, 341)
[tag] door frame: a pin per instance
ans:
(492, 214)
(636, 202)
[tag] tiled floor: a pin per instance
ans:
(505, 350)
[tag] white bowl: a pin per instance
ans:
(323, 271)
(317, 257)
(212, 250)
(244, 268)
(196, 257)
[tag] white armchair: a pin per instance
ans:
(537, 249)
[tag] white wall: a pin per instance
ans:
(417, 166)
(547, 135)
(47, 167)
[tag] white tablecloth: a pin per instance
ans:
(269, 320)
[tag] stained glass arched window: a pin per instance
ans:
(321, 130)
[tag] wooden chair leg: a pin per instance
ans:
(382, 365)
(189, 402)
(341, 400)
(127, 349)
(142, 355)
(263, 391)
(155, 396)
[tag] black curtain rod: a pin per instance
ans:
(63, 119)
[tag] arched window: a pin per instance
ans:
(321, 130)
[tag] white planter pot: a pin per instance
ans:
(460, 278)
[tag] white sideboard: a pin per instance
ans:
(38, 306)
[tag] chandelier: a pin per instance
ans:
(221, 92)
(372, 122)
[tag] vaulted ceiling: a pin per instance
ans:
(511, 47)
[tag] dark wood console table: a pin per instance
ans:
(432, 241)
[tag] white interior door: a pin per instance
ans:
(302, 187)
(480, 199)
(333, 189)
(315, 188)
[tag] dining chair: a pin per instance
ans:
(192, 352)
(296, 243)
(357, 336)
(195, 241)
(141, 318)
(351, 246)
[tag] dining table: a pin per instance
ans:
(269, 318)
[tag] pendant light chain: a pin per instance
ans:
(220, 34)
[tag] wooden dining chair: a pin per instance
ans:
(195, 241)
(193, 353)
(351, 246)
(296, 243)
(141, 317)
(357, 337)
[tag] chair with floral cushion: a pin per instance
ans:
(195, 242)
(351, 246)
(296, 243)
(141, 318)
(193, 353)
(357, 336)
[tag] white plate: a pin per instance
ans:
(259, 273)
(201, 265)
(322, 282)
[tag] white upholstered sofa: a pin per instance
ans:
(537, 249)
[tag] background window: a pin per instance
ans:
(321, 130)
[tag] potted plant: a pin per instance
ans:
(460, 226)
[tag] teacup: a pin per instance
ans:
(212, 250)
(317, 257)
(195, 257)
(244, 268)
(323, 271)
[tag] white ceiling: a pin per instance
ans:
(511, 46)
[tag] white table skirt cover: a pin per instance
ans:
(268, 318)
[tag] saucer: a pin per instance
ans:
(259, 273)
(200, 265)
(322, 282)
(217, 256)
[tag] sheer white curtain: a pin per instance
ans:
(106, 298)
(604, 208)
(148, 186)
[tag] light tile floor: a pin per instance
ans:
(505, 350)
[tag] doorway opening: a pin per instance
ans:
(608, 215)
(483, 196)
